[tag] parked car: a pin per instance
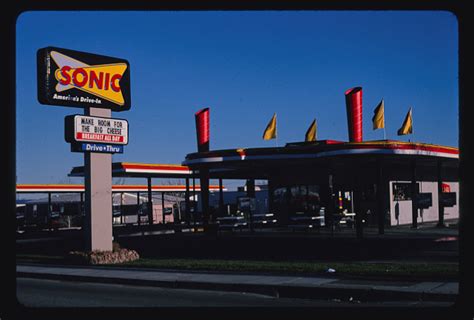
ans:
(232, 223)
(264, 220)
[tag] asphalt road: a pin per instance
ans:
(55, 293)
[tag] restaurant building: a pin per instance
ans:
(381, 183)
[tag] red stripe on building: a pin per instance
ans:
(154, 167)
(403, 147)
(49, 186)
(114, 188)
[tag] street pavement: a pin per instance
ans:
(301, 287)
(40, 293)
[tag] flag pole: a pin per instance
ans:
(411, 133)
(384, 133)
(276, 135)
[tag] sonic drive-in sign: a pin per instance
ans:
(80, 79)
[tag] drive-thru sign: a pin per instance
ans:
(97, 147)
(100, 85)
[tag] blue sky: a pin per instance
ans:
(244, 65)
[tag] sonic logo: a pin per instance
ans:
(100, 80)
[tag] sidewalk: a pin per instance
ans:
(279, 286)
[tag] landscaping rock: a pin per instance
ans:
(103, 257)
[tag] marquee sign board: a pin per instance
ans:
(424, 200)
(79, 128)
(78, 79)
(448, 199)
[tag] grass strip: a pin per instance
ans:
(415, 270)
(424, 270)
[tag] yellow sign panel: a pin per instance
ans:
(100, 80)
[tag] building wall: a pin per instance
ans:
(158, 213)
(424, 215)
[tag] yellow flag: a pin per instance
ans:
(378, 119)
(311, 133)
(271, 130)
(407, 126)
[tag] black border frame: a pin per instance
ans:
(463, 309)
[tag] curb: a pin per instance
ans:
(279, 291)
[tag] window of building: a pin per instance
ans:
(402, 191)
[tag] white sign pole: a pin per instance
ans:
(98, 194)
